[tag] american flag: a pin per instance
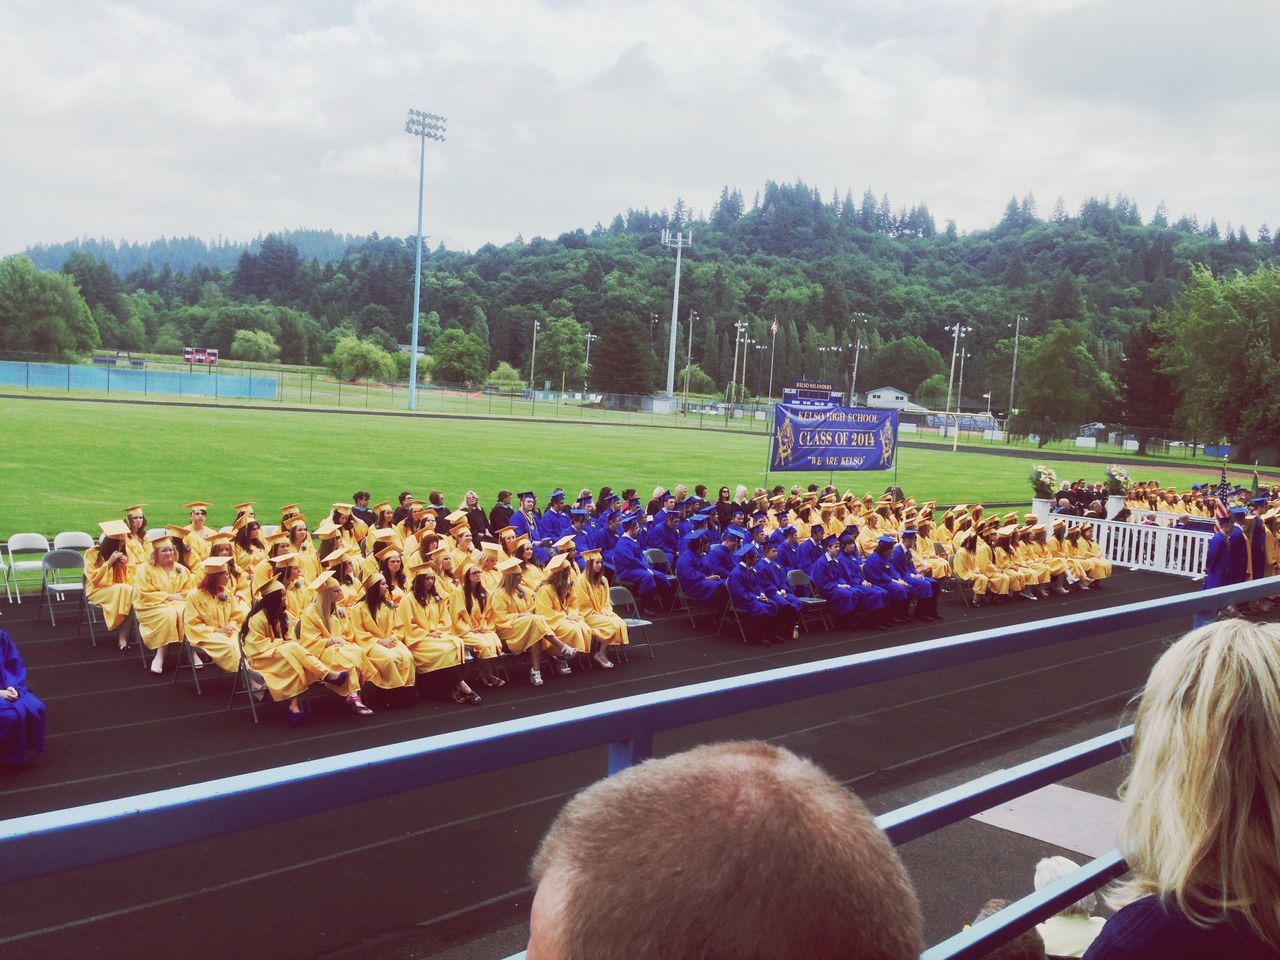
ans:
(1223, 495)
(773, 328)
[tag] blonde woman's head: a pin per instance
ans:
(1201, 806)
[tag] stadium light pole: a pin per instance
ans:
(955, 434)
(773, 351)
(858, 347)
(679, 242)
(533, 354)
(959, 330)
(586, 365)
(424, 126)
(688, 360)
(1013, 374)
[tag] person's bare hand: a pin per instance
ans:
(9, 693)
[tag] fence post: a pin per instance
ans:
(366, 394)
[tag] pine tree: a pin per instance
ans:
(1059, 211)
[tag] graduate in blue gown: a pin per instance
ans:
(832, 584)
(1219, 568)
(665, 535)
(872, 600)
(788, 548)
(526, 522)
(764, 619)
(652, 589)
(922, 590)
(810, 552)
(21, 712)
(699, 582)
(720, 558)
(1238, 548)
(879, 573)
(555, 521)
(583, 538)
(771, 571)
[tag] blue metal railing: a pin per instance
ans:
(60, 840)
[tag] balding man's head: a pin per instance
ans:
(737, 850)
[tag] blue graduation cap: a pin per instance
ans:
(663, 495)
(578, 512)
(527, 495)
(1238, 512)
(847, 537)
(886, 540)
(737, 532)
(1197, 486)
(909, 532)
(816, 528)
(584, 500)
(829, 540)
(745, 551)
(634, 517)
(1258, 502)
(706, 513)
(689, 539)
(556, 494)
(783, 532)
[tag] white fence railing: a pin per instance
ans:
(1141, 547)
(1136, 514)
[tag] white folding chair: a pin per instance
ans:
(623, 602)
(52, 584)
(73, 540)
(25, 543)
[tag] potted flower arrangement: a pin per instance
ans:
(1044, 482)
(1118, 484)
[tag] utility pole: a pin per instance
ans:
(424, 126)
(858, 346)
(679, 242)
(773, 351)
(730, 391)
(955, 434)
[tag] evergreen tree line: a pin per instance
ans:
(822, 273)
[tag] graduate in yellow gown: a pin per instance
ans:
(308, 562)
(439, 654)
(109, 576)
(531, 573)
(591, 596)
(377, 629)
(472, 608)
(266, 569)
(925, 556)
(1037, 575)
(1062, 548)
(1006, 562)
(1037, 546)
(198, 533)
(554, 602)
(162, 585)
(391, 566)
(283, 665)
(464, 549)
(325, 630)
(1090, 552)
(518, 626)
(490, 555)
(135, 543)
(250, 550)
(447, 581)
(213, 614)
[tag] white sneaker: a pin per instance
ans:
(157, 662)
(563, 668)
(535, 677)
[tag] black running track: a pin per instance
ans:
(441, 872)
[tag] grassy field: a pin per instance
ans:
(69, 465)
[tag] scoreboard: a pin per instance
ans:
(810, 393)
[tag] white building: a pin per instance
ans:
(891, 398)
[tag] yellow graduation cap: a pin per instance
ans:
(196, 505)
(389, 550)
(379, 507)
(270, 587)
(177, 531)
(283, 559)
(215, 563)
(334, 558)
(420, 568)
(564, 543)
(492, 549)
(591, 554)
(321, 580)
(242, 507)
(509, 564)
(457, 516)
(439, 551)
(326, 528)
(114, 528)
(556, 562)
(278, 537)
(297, 518)
(136, 508)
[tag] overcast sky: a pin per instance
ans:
(132, 121)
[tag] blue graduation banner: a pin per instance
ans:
(833, 438)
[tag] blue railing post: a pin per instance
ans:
(627, 753)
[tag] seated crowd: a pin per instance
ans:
(419, 594)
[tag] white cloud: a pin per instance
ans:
(135, 120)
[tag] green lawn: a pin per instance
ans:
(68, 465)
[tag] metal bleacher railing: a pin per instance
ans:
(62, 840)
